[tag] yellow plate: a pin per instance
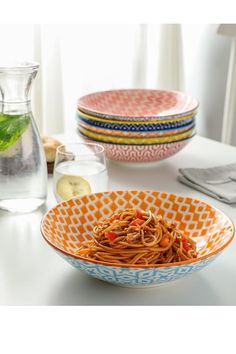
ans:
(135, 141)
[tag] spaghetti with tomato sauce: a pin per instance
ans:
(137, 237)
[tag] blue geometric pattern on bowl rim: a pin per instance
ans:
(140, 127)
(137, 276)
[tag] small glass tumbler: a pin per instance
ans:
(80, 169)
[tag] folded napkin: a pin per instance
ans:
(218, 182)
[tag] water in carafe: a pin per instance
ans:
(23, 173)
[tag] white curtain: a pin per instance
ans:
(79, 59)
(102, 57)
(140, 56)
(48, 100)
(39, 43)
(171, 64)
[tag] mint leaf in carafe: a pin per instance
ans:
(11, 129)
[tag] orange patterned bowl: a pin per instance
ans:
(70, 223)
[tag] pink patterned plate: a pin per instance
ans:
(141, 153)
(137, 103)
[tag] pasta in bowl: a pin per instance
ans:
(137, 238)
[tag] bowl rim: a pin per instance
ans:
(148, 120)
(136, 141)
(133, 266)
(142, 145)
(81, 106)
(143, 132)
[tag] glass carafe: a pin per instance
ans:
(23, 172)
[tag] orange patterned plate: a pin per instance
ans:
(70, 223)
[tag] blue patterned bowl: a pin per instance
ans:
(70, 223)
(145, 127)
(138, 277)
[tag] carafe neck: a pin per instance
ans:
(15, 87)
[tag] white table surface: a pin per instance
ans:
(31, 273)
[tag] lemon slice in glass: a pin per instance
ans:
(69, 186)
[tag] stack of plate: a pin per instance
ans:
(138, 125)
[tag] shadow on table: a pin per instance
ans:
(80, 289)
(147, 176)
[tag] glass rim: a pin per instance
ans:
(19, 66)
(79, 153)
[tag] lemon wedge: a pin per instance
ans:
(69, 186)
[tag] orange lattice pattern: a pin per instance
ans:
(71, 222)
